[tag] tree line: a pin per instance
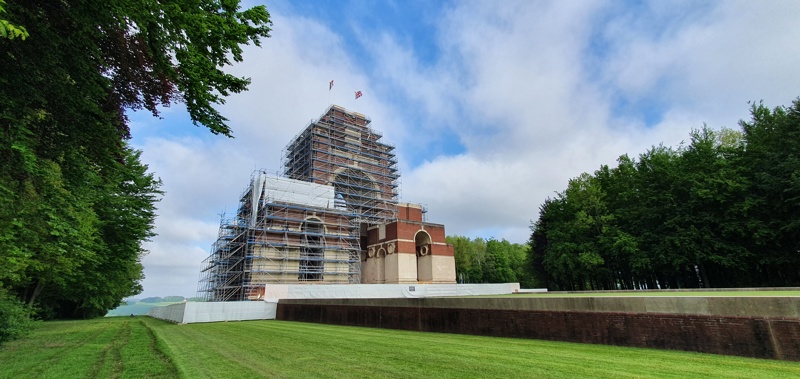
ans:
(76, 202)
(166, 299)
(722, 210)
(490, 261)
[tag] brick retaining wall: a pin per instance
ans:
(749, 336)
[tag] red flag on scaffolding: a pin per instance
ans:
(358, 94)
(331, 86)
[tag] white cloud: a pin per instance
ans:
(735, 52)
(541, 115)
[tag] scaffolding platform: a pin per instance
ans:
(307, 226)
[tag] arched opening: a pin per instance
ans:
(381, 265)
(356, 189)
(312, 251)
(422, 241)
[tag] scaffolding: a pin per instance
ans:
(222, 273)
(341, 149)
(285, 231)
(308, 226)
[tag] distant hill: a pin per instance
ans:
(138, 307)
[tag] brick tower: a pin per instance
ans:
(340, 149)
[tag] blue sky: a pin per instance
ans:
(493, 105)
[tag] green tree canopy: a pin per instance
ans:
(9, 30)
(492, 261)
(76, 202)
(720, 211)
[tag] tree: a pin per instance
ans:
(125, 211)
(551, 247)
(538, 242)
(711, 219)
(627, 263)
(133, 54)
(75, 201)
(772, 161)
(174, 299)
(492, 261)
(470, 258)
(569, 237)
(9, 30)
(504, 262)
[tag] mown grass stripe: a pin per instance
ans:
(155, 346)
(278, 349)
(58, 350)
(303, 350)
(111, 368)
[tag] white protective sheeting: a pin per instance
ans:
(192, 312)
(383, 291)
(172, 312)
(276, 189)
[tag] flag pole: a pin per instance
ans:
(358, 94)
(330, 87)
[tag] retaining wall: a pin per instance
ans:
(760, 327)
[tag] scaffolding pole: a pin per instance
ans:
(272, 240)
(341, 149)
(306, 227)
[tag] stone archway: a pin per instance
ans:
(355, 189)
(422, 243)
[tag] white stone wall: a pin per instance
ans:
(192, 312)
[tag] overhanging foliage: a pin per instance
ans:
(76, 202)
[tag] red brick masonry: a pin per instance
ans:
(758, 337)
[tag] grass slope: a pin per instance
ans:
(142, 347)
(100, 348)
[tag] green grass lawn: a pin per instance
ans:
(120, 347)
(141, 347)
